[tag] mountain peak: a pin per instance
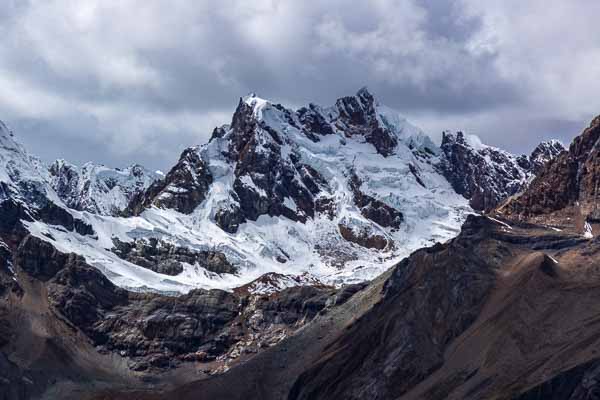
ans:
(252, 99)
(308, 185)
(96, 188)
(566, 191)
(544, 152)
(4, 129)
(487, 175)
(364, 92)
(464, 139)
(7, 139)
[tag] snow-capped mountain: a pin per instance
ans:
(543, 154)
(99, 189)
(25, 191)
(330, 194)
(340, 192)
(486, 175)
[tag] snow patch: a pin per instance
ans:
(588, 231)
(500, 222)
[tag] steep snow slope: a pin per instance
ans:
(99, 189)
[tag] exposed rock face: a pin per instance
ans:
(182, 189)
(25, 191)
(313, 122)
(157, 331)
(153, 332)
(402, 340)
(357, 116)
(83, 296)
(373, 209)
(98, 189)
(8, 283)
(166, 258)
(264, 177)
(229, 219)
(14, 210)
(41, 260)
(363, 237)
(53, 214)
(502, 311)
(486, 175)
(543, 154)
(578, 383)
(571, 180)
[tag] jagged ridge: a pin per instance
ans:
(487, 175)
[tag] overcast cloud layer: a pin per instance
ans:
(123, 81)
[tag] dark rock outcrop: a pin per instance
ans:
(182, 189)
(83, 295)
(363, 238)
(229, 219)
(53, 214)
(264, 176)
(357, 117)
(373, 209)
(156, 331)
(160, 331)
(13, 211)
(486, 175)
(543, 154)
(166, 258)
(314, 123)
(8, 283)
(579, 383)
(41, 260)
(570, 180)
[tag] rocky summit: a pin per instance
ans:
(317, 253)
(487, 175)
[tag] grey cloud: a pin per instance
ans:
(132, 81)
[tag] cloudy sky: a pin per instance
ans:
(124, 80)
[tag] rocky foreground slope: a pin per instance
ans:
(65, 329)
